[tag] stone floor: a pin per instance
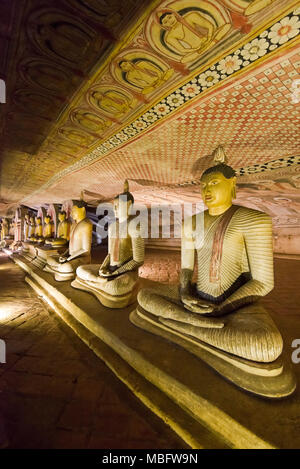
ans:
(54, 392)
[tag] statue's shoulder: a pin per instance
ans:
(246, 214)
(86, 222)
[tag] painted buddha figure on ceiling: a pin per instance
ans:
(189, 35)
(63, 231)
(48, 227)
(79, 251)
(219, 318)
(113, 102)
(115, 281)
(66, 40)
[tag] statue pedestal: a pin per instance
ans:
(44, 252)
(205, 410)
(6, 243)
(110, 301)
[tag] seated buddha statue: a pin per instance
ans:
(79, 251)
(37, 237)
(220, 318)
(26, 225)
(31, 229)
(63, 231)
(115, 281)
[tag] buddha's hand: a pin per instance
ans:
(104, 272)
(196, 305)
(62, 259)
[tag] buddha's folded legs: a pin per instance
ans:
(67, 267)
(52, 263)
(117, 292)
(117, 286)
(164, 302)
(249, 332)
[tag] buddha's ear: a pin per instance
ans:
(234, 187)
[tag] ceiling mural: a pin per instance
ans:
(99, 91)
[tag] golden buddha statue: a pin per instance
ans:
(37, 237)
(48, 227)
(79, 251)
(144, 75)
(115, 281)
(63, 231)
(219, 318)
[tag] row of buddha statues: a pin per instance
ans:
(220, 317)
(36, 231)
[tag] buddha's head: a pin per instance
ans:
(78, 212)
(123, 203)
(47, 219)
(218, 186)
(62, 215)
(38, 220)
(31, 219)
(98, 95)
(125, 65)
(27, 218)
(168, 19)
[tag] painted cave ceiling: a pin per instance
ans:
(98, 91)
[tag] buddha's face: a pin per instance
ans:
(121, 207)
(217, 190)
(31, 220)
(169, 20)
(38, 221)
(61, 216)
(126, 66)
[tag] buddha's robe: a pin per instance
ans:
(125, 255)
(80, 244)
(235, 269)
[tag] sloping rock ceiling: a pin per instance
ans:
(102, 91)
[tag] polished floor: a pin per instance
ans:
(54, 392)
